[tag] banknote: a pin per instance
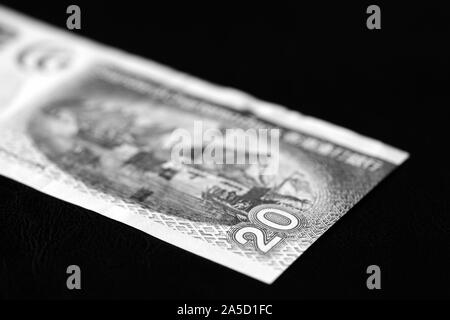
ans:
(96, 126)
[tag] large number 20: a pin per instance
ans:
(263, 218)
(261, 242)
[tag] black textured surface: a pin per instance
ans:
(391, 84)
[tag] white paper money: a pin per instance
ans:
(93, 125)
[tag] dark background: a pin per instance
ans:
(390, 84)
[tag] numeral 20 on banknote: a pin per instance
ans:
(264, 218)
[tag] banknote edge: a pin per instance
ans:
(310, 124)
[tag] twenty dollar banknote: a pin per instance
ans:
(99, 128)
